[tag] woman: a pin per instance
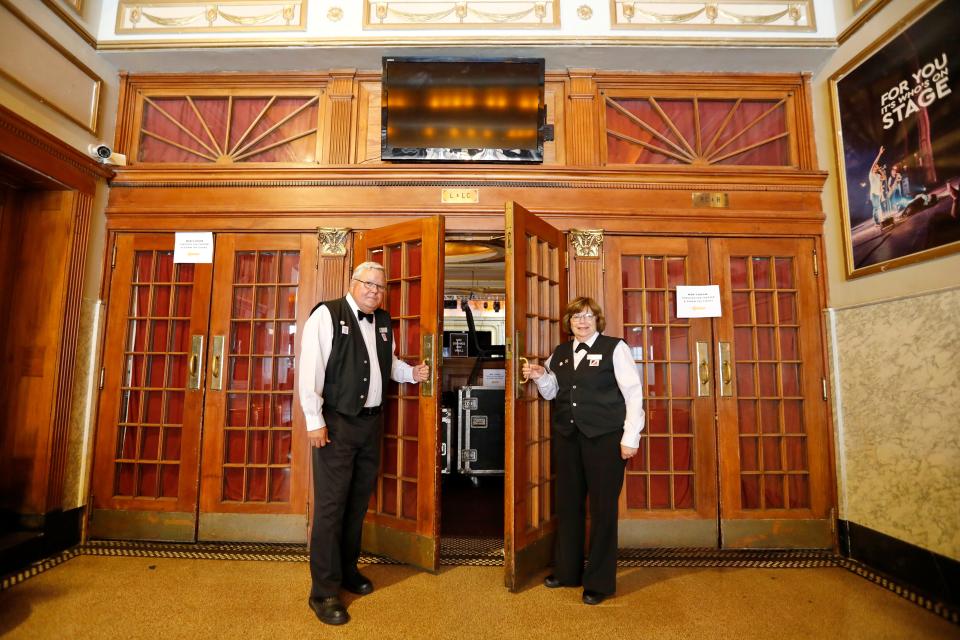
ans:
(597, 419)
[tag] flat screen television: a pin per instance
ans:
(462, 110)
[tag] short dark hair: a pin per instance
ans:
(582, 304)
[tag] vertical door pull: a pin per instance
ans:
(426, 387)
(703, 369)
(518, 346)
(726, 369)
(195, 367)
(216, 363)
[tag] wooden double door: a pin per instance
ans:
(199, 433)
(736, 449)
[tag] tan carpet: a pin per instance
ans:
(116, 597)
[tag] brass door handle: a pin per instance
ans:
(216, 363)
(726, 369)
(527, 362)
(703, 369)
(194, 365)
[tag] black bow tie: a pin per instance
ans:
(361, 316)
(583, 347)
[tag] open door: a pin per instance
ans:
(536, 295)
(404, 517)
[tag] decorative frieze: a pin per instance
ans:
(445, 14)
(586, 242)
(747, 15)
(186, 16)
(333, 242)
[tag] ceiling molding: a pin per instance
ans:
(71, 22)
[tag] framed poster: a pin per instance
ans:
(895, 112)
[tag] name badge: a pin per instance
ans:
(344, 329)
(383, 333)
(594, 359)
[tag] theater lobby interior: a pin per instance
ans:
(762, 197)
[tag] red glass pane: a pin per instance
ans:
(790, 377)
(659, 454)
(284, 380)
(659, 492)
(262, 373)
(161, 301)
(182, 301)
(259, 410)
(784, 267)
(236, 410)
(750, 492)
(137, 339)
(286, 337)
(159, 335)
(410, 500)
(412, 306)
(743, 343)
(799, 487)
(238, 373)
(267, 266)
(180, 342)
(773, 492)
(395, 259)
(747, 416)
(147, 476)
(656, 312)
(235, 446)
(376, 255)
(793, 416)
(738, 273)
(787, 308)
(388, 503)
(185, 273)
(177, 371)
(263, 337)
(789, 344)
(130, 406)
(745, 385)
(290, 267)
(242, 303)
(682, 454)
(391, 416)
(762, 278)
(772, 460)
(127, 439)
(258, 447)
(676, 272)
(657, 416)
(411, 418)
(164, 265)
(796, 453)
(749, 454)
(266, 302)
(412, 343)
(142, 266)
(657, 349)
(256, 485)
(632, 308)
(281, 447)
(283, 411)
(391, 450)
(153, 402)
(413, 260)
(410, 458)
(394, 299)
(169, 481)
(240, 340)
(766, 343)
(636, 491)
(680, 380)
(630, 272)
(680, 419)
(679, 343)
(233, 484)
(656, 380)
(764, 307)
(287, 303)
(171, 444)
(155, 371)
(244, 271)
(150, 443)
(174, 401)
(124, 479)
(133, 373)
(279, 485)
(654, 276)
(140, 301)
(770, 416)
(741, 309)
(768, 379)
(683, 492)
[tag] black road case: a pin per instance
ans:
(480, 429)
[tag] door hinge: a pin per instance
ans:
(113, 257)
(824, 381)
(566, 260)
(100, 384)
(816, 263)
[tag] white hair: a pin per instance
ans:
(363, 266)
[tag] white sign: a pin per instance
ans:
(698, 302)
(494, 378)
(194, 247)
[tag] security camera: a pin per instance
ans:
(106, 155)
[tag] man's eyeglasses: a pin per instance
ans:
(372, 286)
(582, 316)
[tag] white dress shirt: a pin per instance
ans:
(628, 380)
(315, 352)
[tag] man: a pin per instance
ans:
(346, 356)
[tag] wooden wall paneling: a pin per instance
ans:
(586, 264)
(31, 352)
(581, 122)
(333, 267)
(339, 129)
(369, 94)
(554, 97)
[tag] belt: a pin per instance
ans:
(370, 411)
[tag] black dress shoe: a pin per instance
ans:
(359, 585)
(552, 582)
(330, 610)
(593, 597)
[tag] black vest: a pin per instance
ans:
(588, 397)
(346, 380)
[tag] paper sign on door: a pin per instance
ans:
(698, 302)
(193, 247)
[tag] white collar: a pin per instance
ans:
(589, 341)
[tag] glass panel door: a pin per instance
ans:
(254, 446)
(403, 521)
(774, 453)
(670, 491)
(145, 473)
(536, 295)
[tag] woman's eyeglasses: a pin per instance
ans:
(582, 316)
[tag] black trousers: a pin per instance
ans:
(344, 476)
(587, 467)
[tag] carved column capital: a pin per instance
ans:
(586, 242)
(333, 242)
